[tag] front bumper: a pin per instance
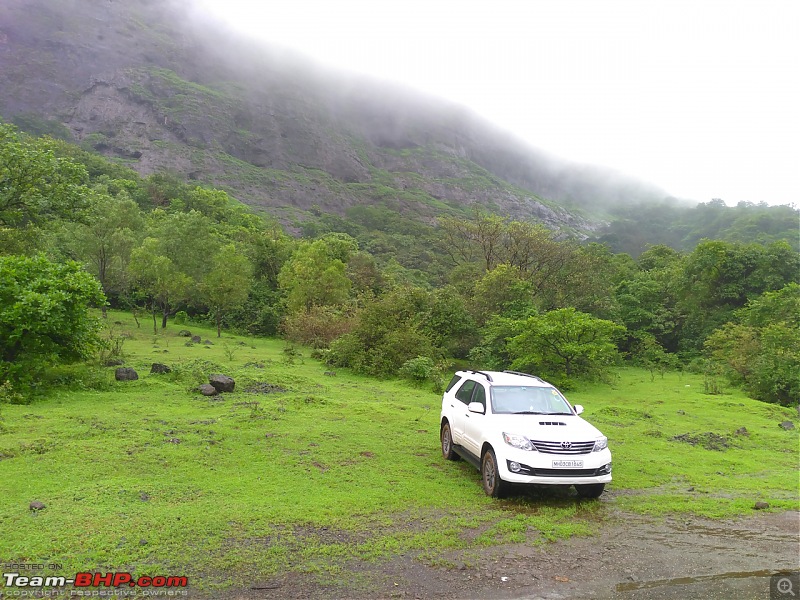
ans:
(538, 467)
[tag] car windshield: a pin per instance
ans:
(517, 399)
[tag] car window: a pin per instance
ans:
(479, 395)
(464, 393)
(453, 381)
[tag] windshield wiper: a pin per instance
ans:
(529, 412)
(569, 413)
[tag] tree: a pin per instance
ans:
(106, 240)
(158, 277)
(566, 343)
(316, 275)
(227, 284)
(760, 349)
(44, 315)
(35, 184)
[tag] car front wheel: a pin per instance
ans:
(447, 443)
(490, 475)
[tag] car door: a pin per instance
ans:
(474, 422)
(458, 410)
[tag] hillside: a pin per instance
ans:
(153, 85)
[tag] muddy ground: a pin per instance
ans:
(632, 557)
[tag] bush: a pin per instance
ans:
(317, 327)
(418, 369)
(181, 318)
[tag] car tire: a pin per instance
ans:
(447, 443)
(490, 476)
(590, 490)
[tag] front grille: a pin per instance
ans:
(558, 447)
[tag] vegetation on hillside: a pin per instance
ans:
(383, 294)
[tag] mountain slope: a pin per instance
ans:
(151, 84)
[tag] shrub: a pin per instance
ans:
(419, 369)
(181, 317)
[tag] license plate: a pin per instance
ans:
(567, 464)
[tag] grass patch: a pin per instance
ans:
(296, 471)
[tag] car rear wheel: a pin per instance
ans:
(590, 490)
(490, 475)
(447, 443)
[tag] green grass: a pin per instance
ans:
(150, 476)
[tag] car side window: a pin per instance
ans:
(479, 395)
(465, 391)
(453, 381)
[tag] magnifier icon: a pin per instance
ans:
(785, 586)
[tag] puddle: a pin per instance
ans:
(643, 585)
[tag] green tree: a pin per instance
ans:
(104, 243)
(35, 184)
(316, 275)
(162, 283)
(760, 349)
(227, 283)
(44, 316)
(565, 343)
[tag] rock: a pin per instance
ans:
(222, 383)
(761, 505)
(144, 496)
(160, 369)
(185, 333)
(197, 339)
(330, 373)
(787, 425)
(114, 362)
(36, 505)
(742, 431)
(126, 374)
(208, 342)
(208, 390)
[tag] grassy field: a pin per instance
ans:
(301, 471)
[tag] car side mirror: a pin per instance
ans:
(578, 409)
(476, 407)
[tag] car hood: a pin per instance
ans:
(548, 428)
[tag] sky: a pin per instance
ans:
(698, 97)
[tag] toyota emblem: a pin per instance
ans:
(566, 445)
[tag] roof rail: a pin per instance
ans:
(489, 377)
(524, 375)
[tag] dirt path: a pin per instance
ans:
(632, 558)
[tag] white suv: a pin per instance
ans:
(517, 428)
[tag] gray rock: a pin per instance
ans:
(160, 369)
(208, 390)
(787, 425)
(208, 343)
(222, 383)
(114, 362)
(126, 374)
(185, 333)
(36, 505)
(761, 505)
(742, 431)
(197, 339)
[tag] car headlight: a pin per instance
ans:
(600, 444)
(518, 441)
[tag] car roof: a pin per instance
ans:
(505, 378)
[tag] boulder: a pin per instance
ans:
(185, 333)
(126, 374)
(36, 505)
(208, 390)
(197, 339)
(160, 369)
(787, 425)
(208, 342)
(222, 383)
(761, 505)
